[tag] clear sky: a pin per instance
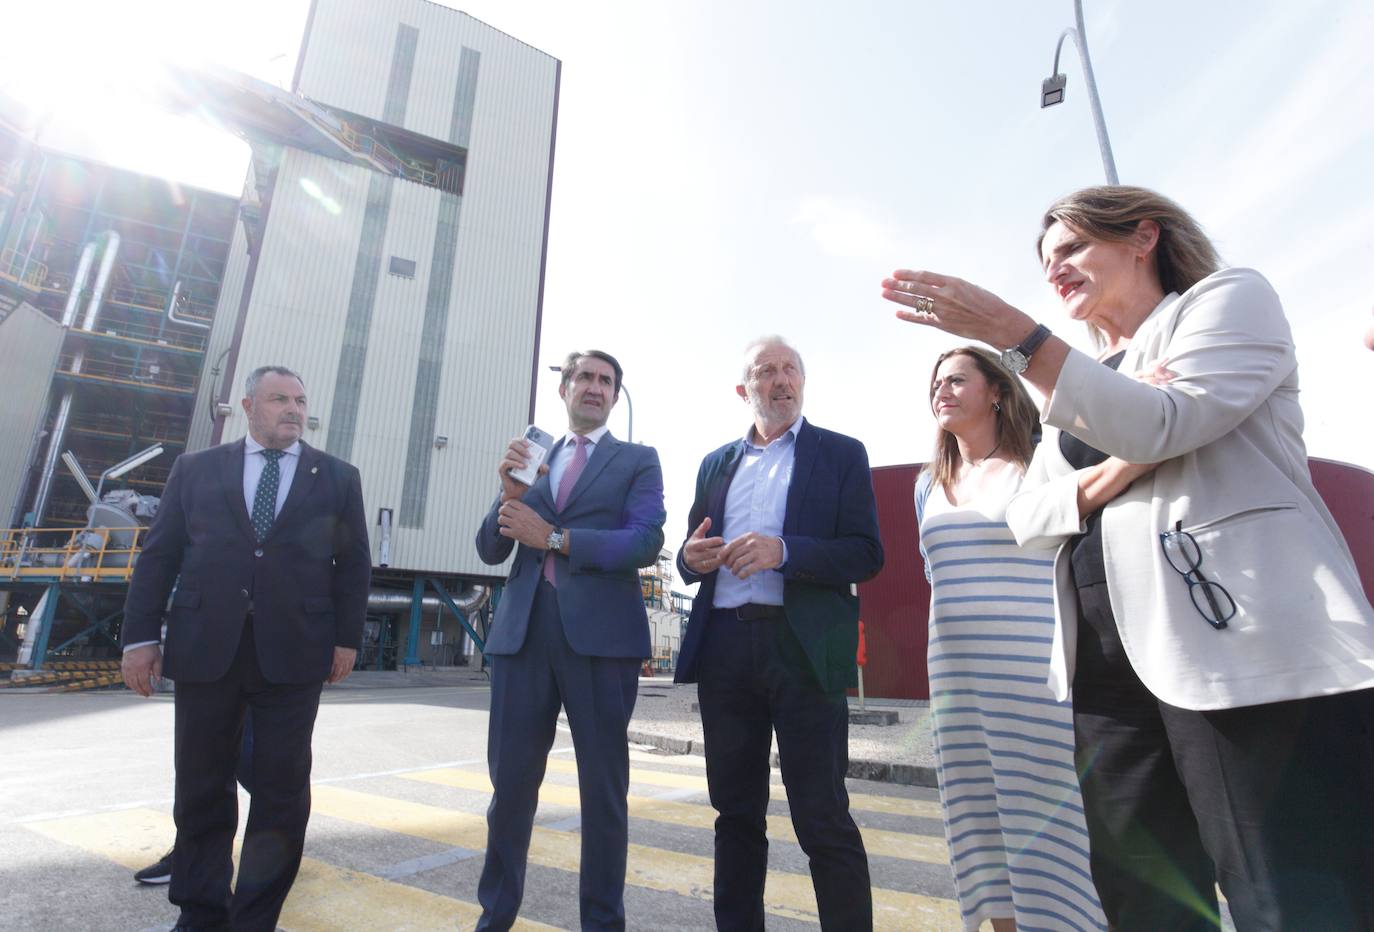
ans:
(727, 168)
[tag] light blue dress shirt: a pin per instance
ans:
(253, 463)
(757, 501)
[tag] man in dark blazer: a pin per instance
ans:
(783, 525)
(265, 542)
(570, 630)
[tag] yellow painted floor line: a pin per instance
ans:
(889, 805)
(788, 895)
(930, 849)
(327, 898)
(324, 898)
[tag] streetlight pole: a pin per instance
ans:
(1052, 89)
(630, 408)
(629, 404)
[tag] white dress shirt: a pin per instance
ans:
(757, 501)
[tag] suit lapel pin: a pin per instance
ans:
(314, 469)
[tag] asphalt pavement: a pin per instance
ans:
(397, 831)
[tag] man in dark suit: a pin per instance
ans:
(571, 630)
(266, 543)
(783, 525)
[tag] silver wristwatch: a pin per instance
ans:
(555, 541)
(1017, 358)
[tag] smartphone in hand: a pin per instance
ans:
(540, 443)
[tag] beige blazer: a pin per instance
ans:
(1227, 432)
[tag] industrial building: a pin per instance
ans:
(389, 245)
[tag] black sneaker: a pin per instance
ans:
(158, 873)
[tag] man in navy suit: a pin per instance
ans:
(570, 630)
(266, 543)
(783, 525)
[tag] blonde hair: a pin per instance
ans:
(1016, 416)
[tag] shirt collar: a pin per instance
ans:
(251, 446)
(749, 433)
(593, 438)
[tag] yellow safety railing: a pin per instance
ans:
(134, 332)
(58, 554)
(381, 154)
(16, 268)
(120, 373)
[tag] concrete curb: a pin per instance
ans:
(875, 770)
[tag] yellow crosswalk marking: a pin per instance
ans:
(324, 898)
(788, 895)
(878, 842)
(887, 805)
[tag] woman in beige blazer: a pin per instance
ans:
(1209, 616)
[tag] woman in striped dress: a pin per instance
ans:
(1004, 746)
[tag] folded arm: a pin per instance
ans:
(1232, 347)
(1049, 510)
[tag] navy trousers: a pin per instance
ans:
(209, 736)
(753, 680)
(527, 689)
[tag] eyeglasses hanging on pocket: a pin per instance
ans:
(1211, 599)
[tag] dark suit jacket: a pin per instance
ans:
(615, 514)
(831, 533)
(306, 583)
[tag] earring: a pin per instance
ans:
(997, 407)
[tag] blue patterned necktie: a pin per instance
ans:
(265, 498)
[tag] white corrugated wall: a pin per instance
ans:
(30, 342)
(221, 336)
(305, 276)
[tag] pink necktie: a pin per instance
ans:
(565, 487)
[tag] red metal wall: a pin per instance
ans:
(895, 604)
(1349, 492)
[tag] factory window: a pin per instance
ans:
(402, 267)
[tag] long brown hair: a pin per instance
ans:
(1016, 419)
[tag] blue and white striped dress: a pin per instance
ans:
(1003, 745)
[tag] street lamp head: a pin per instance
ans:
(1052, 90)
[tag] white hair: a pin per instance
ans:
(770, 339)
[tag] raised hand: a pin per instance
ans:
(956, 306)
(516, 458)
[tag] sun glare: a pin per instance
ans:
(92, 78)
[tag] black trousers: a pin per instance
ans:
(209, 733)
(755, 680)
(527, 689)
(1275, 802)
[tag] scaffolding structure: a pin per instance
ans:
(130, 267)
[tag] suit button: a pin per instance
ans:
(244, 593)
(257, 553)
